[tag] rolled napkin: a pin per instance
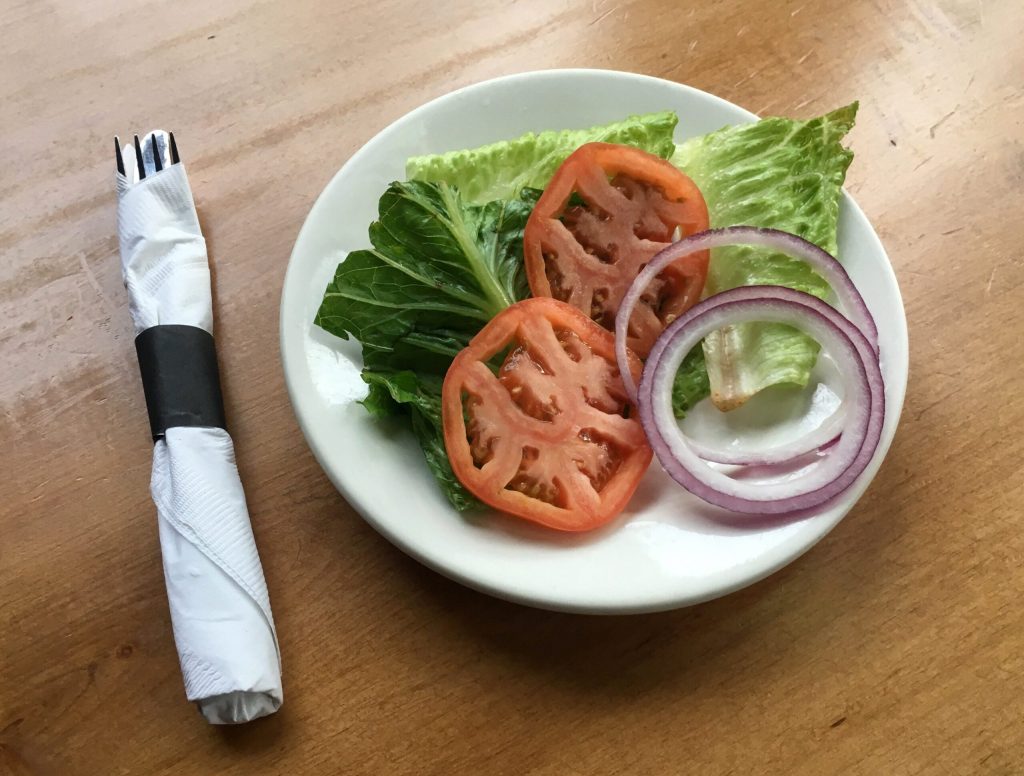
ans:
(220, 609)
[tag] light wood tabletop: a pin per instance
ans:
(895, 646)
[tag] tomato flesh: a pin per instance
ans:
(607, 211)
(549, 435)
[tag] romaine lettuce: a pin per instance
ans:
(777, 173)
(501, 170)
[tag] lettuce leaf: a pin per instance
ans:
(777, 173)
(691, 384)
(417, 395)
(501, 170)
(439, 269)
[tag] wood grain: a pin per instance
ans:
(894, 647)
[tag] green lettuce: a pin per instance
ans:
(417, 396)
(777, 173)
(501, 170)
(439, 269)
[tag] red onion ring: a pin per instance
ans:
(820, 261)
(864, 398)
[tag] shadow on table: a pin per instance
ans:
(611, 655)
(256, 737)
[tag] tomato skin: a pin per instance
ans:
(589, 255)
(559, 449)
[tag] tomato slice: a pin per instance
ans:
(550, 435)
(587, 249)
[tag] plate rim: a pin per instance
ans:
(668, 603)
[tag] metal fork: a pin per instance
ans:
(158, 162)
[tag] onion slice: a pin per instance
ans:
(825, 435)
(864, 399)
(820, 261)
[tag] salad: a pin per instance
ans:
(542, 310)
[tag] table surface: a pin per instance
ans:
(895, 646)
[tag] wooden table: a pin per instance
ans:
(894, 647)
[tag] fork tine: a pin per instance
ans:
(138, 159)
(158, 161)
(117, 155)
(174, 149)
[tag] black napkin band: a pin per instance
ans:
(180, 378)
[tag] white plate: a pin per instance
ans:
(668, 549)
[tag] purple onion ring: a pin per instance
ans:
(864, 398)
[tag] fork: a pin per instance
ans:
(154, 153)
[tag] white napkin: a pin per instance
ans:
(220, 610)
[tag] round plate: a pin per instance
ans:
(667, 549)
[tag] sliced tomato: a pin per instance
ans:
(549, 435)
(607, 210)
